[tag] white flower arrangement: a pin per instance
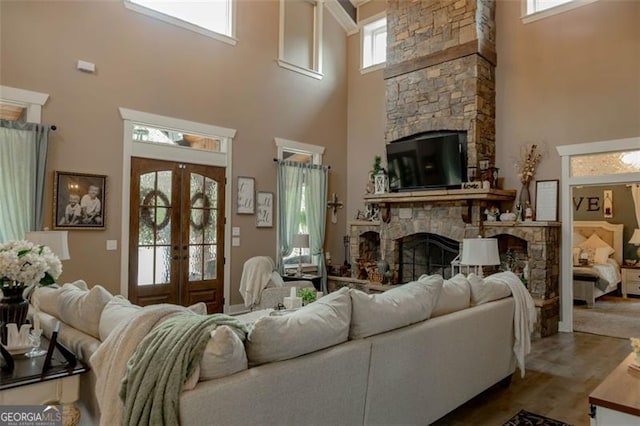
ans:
(635, 344)
(23, 263)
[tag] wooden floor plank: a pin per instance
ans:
(561, 371)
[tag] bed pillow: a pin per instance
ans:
(578, 239)
(591, 244)
(601, 255)
(576, 256)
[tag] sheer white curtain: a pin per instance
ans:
(635, 192)
(290, 183)
(23, 156)
(316, 208)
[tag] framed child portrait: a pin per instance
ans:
(79, 201)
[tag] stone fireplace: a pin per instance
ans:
(440, 71)
(440, 76)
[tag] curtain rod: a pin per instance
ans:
(53, 127)
(276, 160)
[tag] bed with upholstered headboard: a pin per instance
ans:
(600, 244)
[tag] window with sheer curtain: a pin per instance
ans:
(23, 156)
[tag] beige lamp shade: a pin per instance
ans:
(300, 241)
(635, 238)
(57, 241)
(480, 252)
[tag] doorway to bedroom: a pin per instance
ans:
(604, 262)
(594, 175)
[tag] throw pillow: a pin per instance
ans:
(82, 309)
(407, 304)
(455, 296)
(601, 255)
(115, 311)
(199, 308)
(576, 256)
(46, 298)
(317, 326)
(486, 290)
(223, 356)
(594, 242)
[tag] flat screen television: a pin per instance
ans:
(428, 161)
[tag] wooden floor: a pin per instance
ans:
(561, 371)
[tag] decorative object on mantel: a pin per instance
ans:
(492, 213)
(381, 182)
(334, 204)
(377, 167)
(23, 264)
(526, 171)
(480, 252)
(507, 217)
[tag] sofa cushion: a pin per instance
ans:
(116, 310)
(224, 355)
(455, 296)
(46, 298)
(486, 290)
(395, 308)
(318, 325)
(82, 309)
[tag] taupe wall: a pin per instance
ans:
(147, 65)
(367, 117)
(570, 78)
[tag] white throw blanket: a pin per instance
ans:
(524, 318)
(109, 362)
(256, 274)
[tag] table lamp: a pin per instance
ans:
(57, 241)
(480, 252)
(635, 240)
(300, 241)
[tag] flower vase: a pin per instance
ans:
(525, 195)
(13, 309)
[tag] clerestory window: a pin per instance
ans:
(213, 18)
(374, 44)
(538, 9)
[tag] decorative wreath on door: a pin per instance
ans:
(206, 214)
(146, 215)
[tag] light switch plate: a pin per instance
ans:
(235, 231)
(235, 241)
(112, 244)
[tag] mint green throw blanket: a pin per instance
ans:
(161, 364)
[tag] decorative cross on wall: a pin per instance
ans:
(334, 204)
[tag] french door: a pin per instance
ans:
(176, 238)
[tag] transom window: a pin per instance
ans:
(374, 43)
(144, 133)
(532, 10)
(213, 18)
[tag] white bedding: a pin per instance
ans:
(609, 272)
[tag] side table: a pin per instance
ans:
(27, 385)
(630, 280)
(315, 279)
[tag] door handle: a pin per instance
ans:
(175, 257)
(176, 247)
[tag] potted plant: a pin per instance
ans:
(308, 295)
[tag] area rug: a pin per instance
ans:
(525, 418)
(611, 316)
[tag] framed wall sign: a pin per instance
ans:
(547, 200)
(78, 201)
(264, 209)
(245, 195)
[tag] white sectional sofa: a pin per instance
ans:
(414, 373)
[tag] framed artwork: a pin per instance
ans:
(547, 200)
(245, 195)
(264, 210)
(79, 201)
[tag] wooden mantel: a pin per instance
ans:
(442, 195)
